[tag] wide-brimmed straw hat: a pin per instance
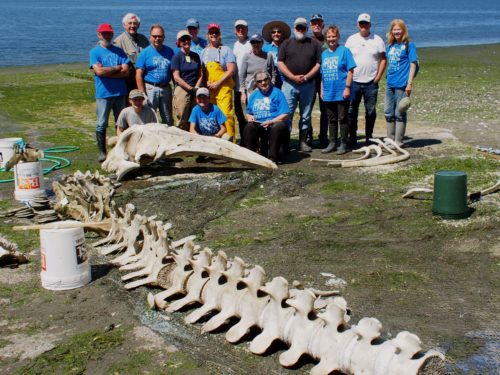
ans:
(266, 30)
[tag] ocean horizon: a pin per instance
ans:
(52, 32)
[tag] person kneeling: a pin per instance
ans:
(267, 111)
(136, 114)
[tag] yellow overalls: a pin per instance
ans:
(223, 97)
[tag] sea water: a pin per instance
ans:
(61, 31)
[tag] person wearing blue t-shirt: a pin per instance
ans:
(153, 74)
(197, 43)
(337, 66)
(267, 112)
(110, 66)
(402, 65)
(275, 33)
(206, 118)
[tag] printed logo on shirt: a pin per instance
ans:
(330, 69)
(261, 108)
(395, 58)
(208, 126)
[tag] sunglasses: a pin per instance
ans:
(213, 32)
(138, 99)
(364, 23)
(185, 39)
(276, 32)
(157, 36)
(300, 28)
(262, 80)
(255, 42)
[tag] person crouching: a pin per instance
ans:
(136, 114)
(267, 112)
(206, 118)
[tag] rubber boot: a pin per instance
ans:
(101, 146)
(391, 129)
(303, 146)
(400, 132)
(344, 129)
(332, 133)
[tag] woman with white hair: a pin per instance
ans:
(267, 112)
(132, 43)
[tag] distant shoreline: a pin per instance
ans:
(77, 63)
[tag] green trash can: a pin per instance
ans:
(450, 195)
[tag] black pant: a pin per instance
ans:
(240, 115)
(271, 138)
(337, 115)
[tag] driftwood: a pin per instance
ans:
(141, 145)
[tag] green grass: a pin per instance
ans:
(137, 363)
(73, 355)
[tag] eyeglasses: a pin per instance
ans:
(138, 99)
(213, 32)
(364, 23)
(300, 28)
(276, 32)
(240, 27)
(255, 42)
(185, 39)
(157, 36)
(262, 80)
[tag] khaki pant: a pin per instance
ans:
(183, 104)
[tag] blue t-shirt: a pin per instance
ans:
(207, 123)
(155, 64)
(195, 47)
(265, 107)
(399, 57)
(335, 66)
(106, 87)
(222, 55)
(272, 49)
(188, 66)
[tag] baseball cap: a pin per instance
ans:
(105, 28)
(203, 91)
(182, 33)
(300, 21)
(364, 17)
(256, 38)
(241, 23)
(135, 94)
(192, 22)
(316, 17)
(213, 26)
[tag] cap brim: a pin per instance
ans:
(266, 30)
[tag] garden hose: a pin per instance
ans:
(58, 162)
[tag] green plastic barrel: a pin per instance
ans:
(450, 195)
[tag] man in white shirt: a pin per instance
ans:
(368, 51)
(241, 47)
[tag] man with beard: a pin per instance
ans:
(299, 60)
(110, 66)
(132, 43)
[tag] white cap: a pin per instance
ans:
(203, 91)
(241, 23)
(300, 21)
(364, 17)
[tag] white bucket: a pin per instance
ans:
(7, 149)
(64, 258)
(28, 179)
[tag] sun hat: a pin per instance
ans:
(404, 104)
(183, 33)
(213, 25)
(241, 23)
(256, 38)
(364, 17)
(301, 21)
(192, 22)
(316, 17)
(268, 27)
(135, 94)
(105, 28)
(202, 91)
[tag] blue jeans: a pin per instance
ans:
(392, 98)
(303, 95)
(161, 98)
(103, 108)
(368, 92)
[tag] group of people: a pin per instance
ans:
(257, 84)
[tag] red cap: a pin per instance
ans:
(213, 26)
(104, 28)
